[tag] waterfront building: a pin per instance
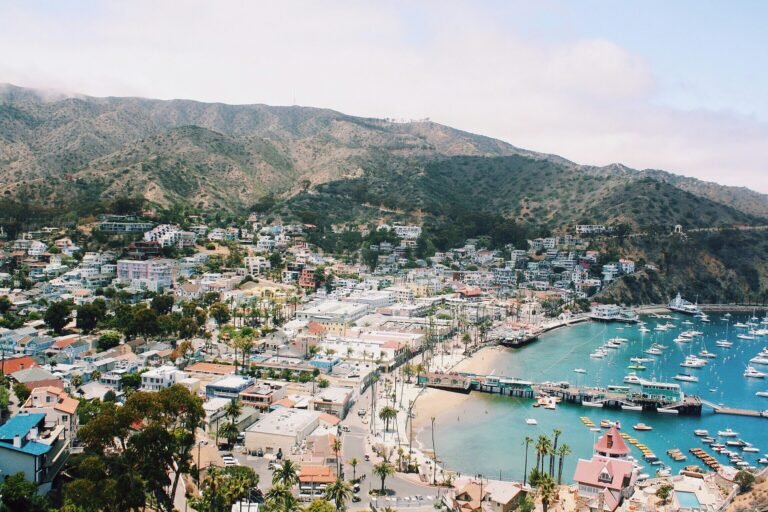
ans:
(683, 306)
(612, 313)
(481, 495)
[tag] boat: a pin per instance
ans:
(642, 426)
(631, 407)
(618, 340)
(632, 378)
(644, 329)
(636, 366)
(641, 359)
(587, 403)
(700, 432)
(759, 360)
(685, 377)
(693, 362)
(681, 305)
(740, 443)
(763, 460)
(745, 336)
(606, 423)
(740, 325)
(598, 354)
(531, 421)
(664, 472)
(750, 372)
(682, 339)
(580, 370)
(707, 353)
(708, 440)
(613, 313)
(751, 449)
(667, 411)
(764, 394)
(724, 343)
(653, 351)
(727, 433)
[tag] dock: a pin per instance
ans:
(615, 397)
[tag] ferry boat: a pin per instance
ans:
(724, 343)
(642, 426)
(727, 433)
(613, 313)
(686, 377)
(750, 372)
(700, 432)
(683, 306)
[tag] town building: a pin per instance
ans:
(281, 430)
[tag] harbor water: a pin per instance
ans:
(486, 433)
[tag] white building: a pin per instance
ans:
(281, 430)
(161, 378)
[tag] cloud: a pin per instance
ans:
(588, 100)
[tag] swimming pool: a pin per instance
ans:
(688, 500)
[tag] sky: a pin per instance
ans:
(679, 86)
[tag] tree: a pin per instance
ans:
(131, 381)
(229, 431)
(543, 446)
(383, 470)
(336, 447)
(339, 492)
(556, 434)
(88, 316)
(527, 442)
(19, 494)
(76, 380)
(280, 499)
(219, 312)
(387, 414)
(21, 391)
(5, 400)
(526, 505)
(57, 315)
(107, 340)
(664, 492)
(547, 489)
(354, 462)
(320, 505)
(562, 453)
(162, 304)
(286, 474)
(745, 481)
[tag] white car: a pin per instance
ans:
(230, 461)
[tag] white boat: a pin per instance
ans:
(759, 360)
(707, 353)
(618, 340)
(750, 449)
(580, 370)
(587, 403)
(632, 407)
(682, 339)
(693, 362)
(644, 329)
(667, 411)
(700, 432)
(653, 351)
(683, 306)
(750, 372)
(664, 472)
(632, 378)
(764, 352)
(531, 421)
(686, 322)
(641, 359)
(724, 343)
(597, 355)
(740, 325)
(727, 433)
(745, 336)
(686, 377)
(762, 393)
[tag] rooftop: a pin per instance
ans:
(285, 422)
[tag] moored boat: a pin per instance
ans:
(642, 426)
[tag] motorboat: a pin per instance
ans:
(636, 366)
(759, 360)
(685, 377)
(764, 394)
(632, 378)
(700, 432)
(682, 339)
(598, 354)
(750, 372)
(693, 362)
(644, 329)
(618, 340)
(642, 426)
(708, 440)
(625, 407)
(606, 423)
(727, 433)
(739, 443)
(724, 343)
(580, 370)
(531, 421)
(740, 325)
(751, 449)
(745, 336)
(706, 353)
(654, 351)
(660, 346)
(764, 352)
(641, 359)
(587, 403)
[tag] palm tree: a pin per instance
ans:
(562, 452)
(408, 371)
(354, 462)
(528, 441)
(387, 414)
(543, 445)
(419, 369)
(556, 433)
(280, 499)
(339, 492)
(336, 447)
(286, 474)
(383, 470)
(76, 380)
(547, 490)
(233, 409)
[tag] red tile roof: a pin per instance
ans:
(15, 364)
(615, 472)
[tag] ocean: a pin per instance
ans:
(486, 434)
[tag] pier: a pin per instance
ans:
(650, 396)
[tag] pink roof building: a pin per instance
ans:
(611, 444)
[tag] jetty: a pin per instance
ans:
(653, 396)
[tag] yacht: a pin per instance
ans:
(751, 372)
(686, 377)
(618, 340)
(745, 336)
(641, 359)
(660, 346)
(686, 322)
(653, 351)
(693, 362)
(644, 329)
(632, 378)
(724, 343)
(759, 360)
(531, 421)
(642, 426)
(706, 353)
(764, 352)
(701, 432)
(727, 433)
(740, 325)
(751, 449)
(598, 354)
(682, 339)
(637, 366)
(764, 394)
(580, 370)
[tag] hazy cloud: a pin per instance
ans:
(588, 100)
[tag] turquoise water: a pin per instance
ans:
(688, 500)
(486, 433)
